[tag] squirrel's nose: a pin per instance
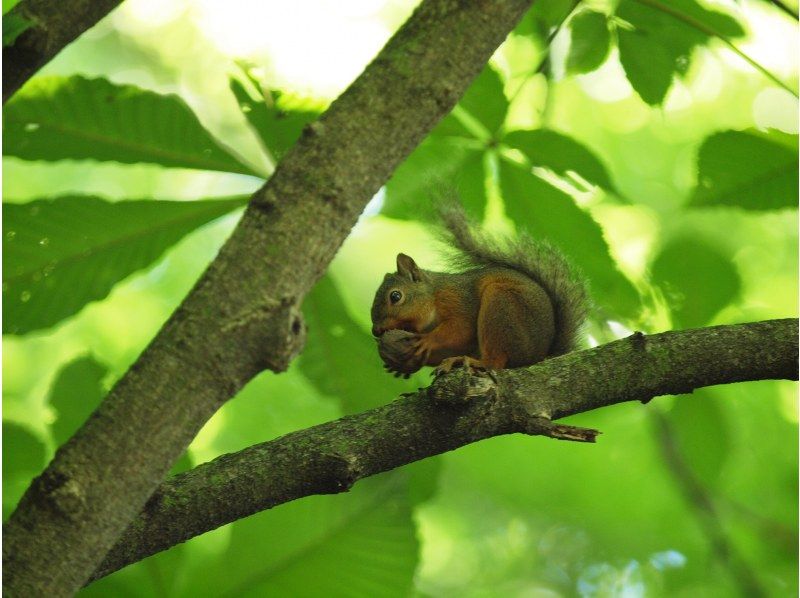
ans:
(377, 331)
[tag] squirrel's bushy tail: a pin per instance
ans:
(535, 258)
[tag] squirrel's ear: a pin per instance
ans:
(406, 266)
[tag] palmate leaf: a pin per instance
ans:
(559, 153)
(484, 102)
(548, 213)
(277, 126)
(335, 343)
(362, 543)
(440, 165)
(748, 169)
(697, 280)
(591, 41)
(660, 44)
(74, 118)
(62, 253)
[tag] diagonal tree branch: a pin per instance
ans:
(242, 316)
(53, 25)
(455, 410)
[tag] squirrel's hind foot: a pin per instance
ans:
(474, 366)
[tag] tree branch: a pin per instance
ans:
(53, 26)
(242, 316)
(455, 410)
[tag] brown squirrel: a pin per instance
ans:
(512, 304)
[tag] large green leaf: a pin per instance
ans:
(591, 41)
(277, 126)
(440, 165)
(335, 342)
(359, 544)
(697, 280)
(74, 118)
(543, 16)
(548, 213)
(23, 458)
(62, 253)
(748, 169)
(559, 153)
(660, 44)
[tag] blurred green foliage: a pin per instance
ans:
(664, 167)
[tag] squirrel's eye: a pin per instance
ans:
(395, 296)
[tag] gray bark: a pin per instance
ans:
(455, 410)
(242, 316)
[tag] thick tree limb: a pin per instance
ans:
(242, 315)
(456, 410)
(54, 25)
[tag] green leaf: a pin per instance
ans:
(436, 165)
(23, 458)
(9, 4)
(559, 153)
(548, 213)
(660, 44)
(591, 41)
(334, 343)
(13, 26)
(484, 102)
(60, 254)
(543, 16)
(697, 280)
(362, 543)
(277, 126)
(75, 394)
(74, 118)
(694, 418)
(748, 169)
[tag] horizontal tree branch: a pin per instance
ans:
(455, 410)
(53, 25)
(243, 316)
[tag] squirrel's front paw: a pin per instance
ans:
(396, 348)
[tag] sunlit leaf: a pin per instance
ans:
(748, 169)
(13, 26)
(74, 118)
(591, 41)
(75, 394)
(62, 253)
(484, 101)
(440, 166)
(334, 346)
(543, 16)
(278, 127)
(697, 280)
(548, 213)
(660, 43)
(23, 458)
(561, 154)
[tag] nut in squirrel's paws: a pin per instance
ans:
(397, 349)
(473, 366)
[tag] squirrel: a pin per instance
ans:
(511, 304)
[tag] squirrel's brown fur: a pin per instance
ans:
(512, 303)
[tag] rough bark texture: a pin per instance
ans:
(242, 316)
(54, 26)
(456, 410)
